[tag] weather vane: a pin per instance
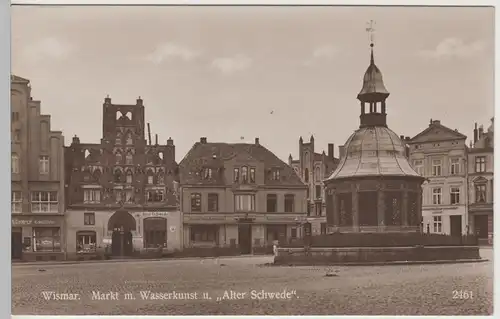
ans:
(371, 31)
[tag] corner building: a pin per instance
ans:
(240, 197)
(121, 192)
(374, 188)
(37, 183)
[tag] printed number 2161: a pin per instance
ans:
(462, 294)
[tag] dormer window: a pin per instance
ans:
(207, 173)
(236, 175)
(244, 174)
(252, 175)
(275, 174)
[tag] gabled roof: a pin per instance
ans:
(215, 154)
(437, 132)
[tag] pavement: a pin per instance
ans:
(241, 286)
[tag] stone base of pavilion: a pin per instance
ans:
(378, 248)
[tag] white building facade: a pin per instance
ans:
(440, 155)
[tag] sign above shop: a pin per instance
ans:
(32, 222)
(152, 214)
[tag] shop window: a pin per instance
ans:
(89, 218)
(203, 233)
(46, 239)
(43, 202)
(155, 232)
(86, 242)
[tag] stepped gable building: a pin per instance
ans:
(37, 184)
(439, 154)
(374, 188)
(239, 196)
(313, 168)
(480, 183)
(122, 192)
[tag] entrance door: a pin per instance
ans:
(17, 245)
(456, 225)
(121, 243)
(481, 226)
(245, 238)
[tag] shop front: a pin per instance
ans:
(38, 238)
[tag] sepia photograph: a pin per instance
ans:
(252, 160)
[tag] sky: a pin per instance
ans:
(232, 74)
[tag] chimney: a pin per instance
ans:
(203, 140)
(402, 137)
(330, 150)
(475, 133)
(290, 159)
(156, 139)
(257, 141)
(139, 101)
(407, 151)
(107, 100)
(481, 131)
(170, 141)
(76, 140)
(341, 151)
(437, 122)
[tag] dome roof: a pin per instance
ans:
(373, 83)
(373, 151)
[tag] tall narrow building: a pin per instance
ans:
(37, 179)
(121, 192)
(374, 188)
(313, 168)
(480, 182)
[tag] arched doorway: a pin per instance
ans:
(122, 224)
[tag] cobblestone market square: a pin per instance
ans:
(355, 290)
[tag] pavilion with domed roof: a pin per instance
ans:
(374, 188)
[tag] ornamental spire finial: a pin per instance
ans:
(371, 33)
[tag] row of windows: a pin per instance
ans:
(41, 201)
(93, 196)
(43, 164)
(242, 203)
(479, 191)
(118, 177)
(244, 175)
(454, 168)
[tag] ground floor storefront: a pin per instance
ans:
(481, 225)
(94, 234)
(38, 238)
(451, 221)
(245, 235)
